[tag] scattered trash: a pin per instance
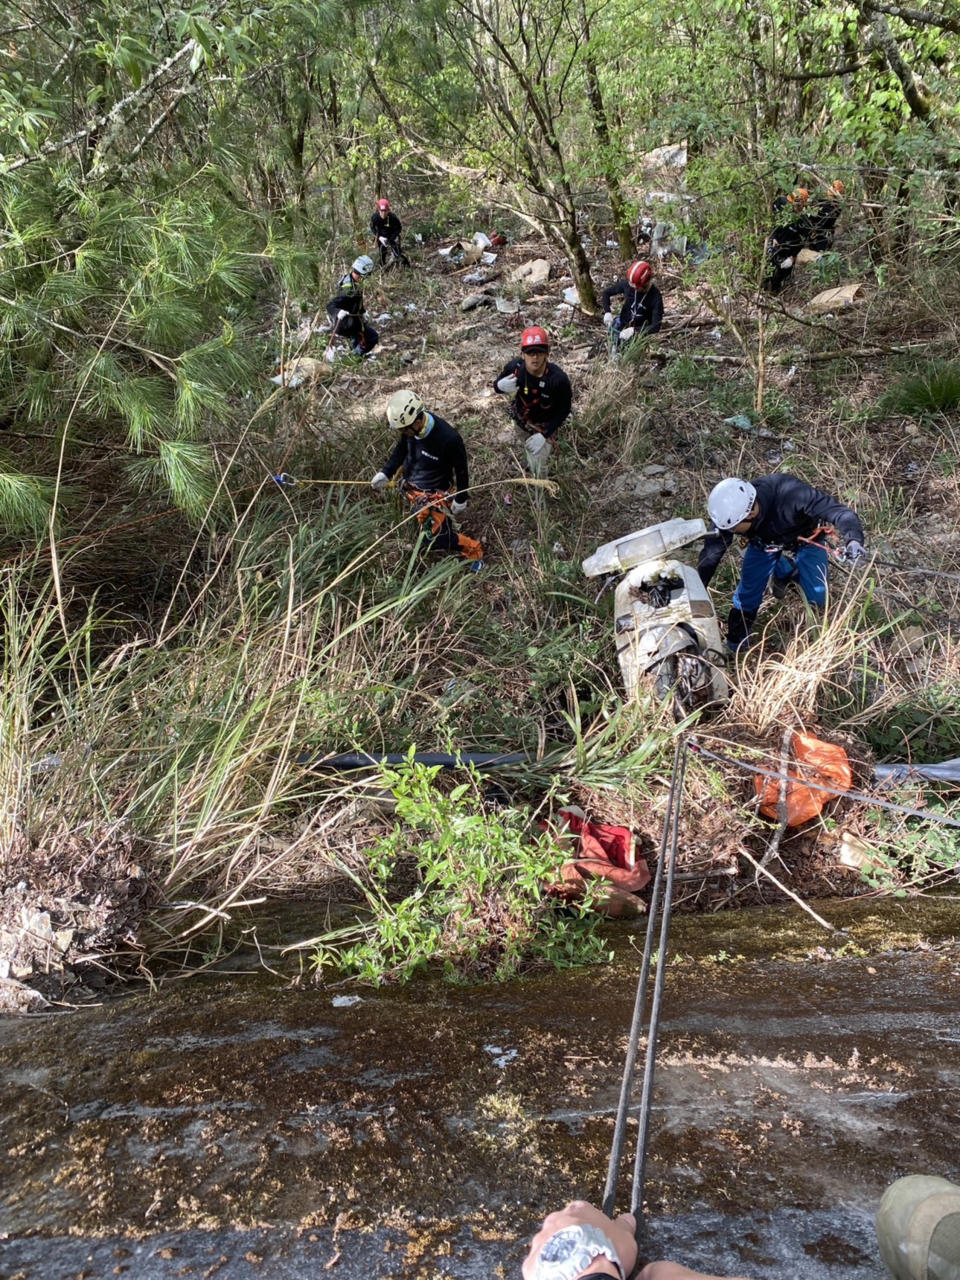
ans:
(791, 373)
(824, 763)
(498, 240)
(477, 277)
(474, 300)
(383, 318)
(488, 259)
(507, 306)
(482, 240)
(835, 299)
(411, 306)
(572, 296)
(601, 852)
(739, 420)
(856, 853)
(612, 244)
(671, 156)
(508, 499)
(297, 372)
(346, 1002)
(806, 256)
(501, 1057)
(717, 334)
(536, 271)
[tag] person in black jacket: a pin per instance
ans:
(642, 310)
(431, 454)
(541, 396)
(776, 515)
(386, 227)
(346, 309)
(787, 238)
(824, 216)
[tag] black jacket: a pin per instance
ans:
(789, 509)
(640, 311)
(390, 226)
(540, 403)
(349, 297)
(431, 461)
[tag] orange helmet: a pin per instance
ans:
(383, 206)
(836, 188)
(534, 339)
(799, 196)
(639, 275)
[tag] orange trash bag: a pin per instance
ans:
(822, 762)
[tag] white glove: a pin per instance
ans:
(379, 481)
(626, 334)
(458, 508)
(608, 318)
(508, 385)
(342, 314)
(384, 241)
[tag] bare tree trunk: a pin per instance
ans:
(601, 128)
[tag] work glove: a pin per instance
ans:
(383, 240)
(856, 553)
(626, 334)
(508, 385)
(379, 481)
(341, 315)
(608, 318)
(458, 508)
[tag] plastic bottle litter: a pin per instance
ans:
(646, 544)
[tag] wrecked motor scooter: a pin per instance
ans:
(666, 630)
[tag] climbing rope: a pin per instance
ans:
(661, 901)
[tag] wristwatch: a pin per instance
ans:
(570, 1251)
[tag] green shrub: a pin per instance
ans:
(477, 910)
(933, 389)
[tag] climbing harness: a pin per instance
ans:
(661, 903)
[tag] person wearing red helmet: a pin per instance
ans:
(386, 228)
(642, 310)
(541, 396)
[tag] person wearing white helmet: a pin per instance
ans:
(387, 228)
(346, 309)
(431, 455)
(784, 521)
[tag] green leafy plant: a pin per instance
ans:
(478, 907)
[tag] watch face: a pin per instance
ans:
(561, 1246)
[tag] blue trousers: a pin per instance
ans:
(759, 566)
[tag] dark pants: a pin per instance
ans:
(391, 252)
(361, 336)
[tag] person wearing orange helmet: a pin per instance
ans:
(642, 310)
(386, 228)
(540, 396)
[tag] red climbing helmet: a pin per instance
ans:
(534, 339)
(639, 275)
(383, 205)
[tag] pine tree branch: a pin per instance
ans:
(132, 101)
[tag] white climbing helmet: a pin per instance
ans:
(730, 502)
(403, 409)
(362, 265)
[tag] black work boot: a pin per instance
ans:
(739, 626)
